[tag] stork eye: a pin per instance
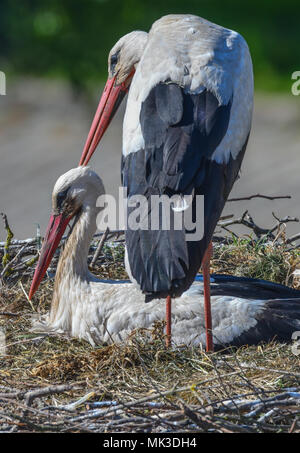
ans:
(60, 197)
(113, 61)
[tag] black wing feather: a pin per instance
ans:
(170, 112)
(181, 131)
(277, 321)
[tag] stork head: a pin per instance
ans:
(73, 191)
(122, 60)
(125, 55)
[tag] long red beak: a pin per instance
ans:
(55, 229)
(111, 98)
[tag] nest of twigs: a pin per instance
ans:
(55, 383)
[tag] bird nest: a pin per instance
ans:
(53, 383)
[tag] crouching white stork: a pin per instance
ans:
(245, 311)
(185, 132)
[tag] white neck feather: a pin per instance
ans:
(75, 254)
(72, 274)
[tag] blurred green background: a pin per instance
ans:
(71, 38)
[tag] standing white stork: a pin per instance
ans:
(245, 311)
(185, 132)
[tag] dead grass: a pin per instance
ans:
(140, 386)
(255, 259)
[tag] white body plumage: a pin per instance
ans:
(105, 312)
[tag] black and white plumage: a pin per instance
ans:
(245, 311)
(186, 128)
(259, 311)
(185, 131)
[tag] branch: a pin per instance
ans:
(293, 238)
(100, 247)
(247, 220)
(8, 265)
(267, 197)
(51, 390)
(10, 235)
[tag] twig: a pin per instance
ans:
(247, 220)
(72, 406)
(101, 404)
(273, 370)
(202, 421)
(9, 313)
(293, 238)
(51, 390)
(268, 197)
(8, 265)
(10, 235)
(292, 428)
(26, 295)
(225, 217)
(18, 242)
(24, 341)
(100, 246)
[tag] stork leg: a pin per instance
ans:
(168, 321)
(207, 305)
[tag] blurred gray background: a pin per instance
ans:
(43, 126)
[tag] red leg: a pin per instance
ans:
(168, 321)
(207, 306)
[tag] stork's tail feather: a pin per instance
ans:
(278, 320)
(248, 288)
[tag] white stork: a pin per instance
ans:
(185, 132)
(245, 311)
